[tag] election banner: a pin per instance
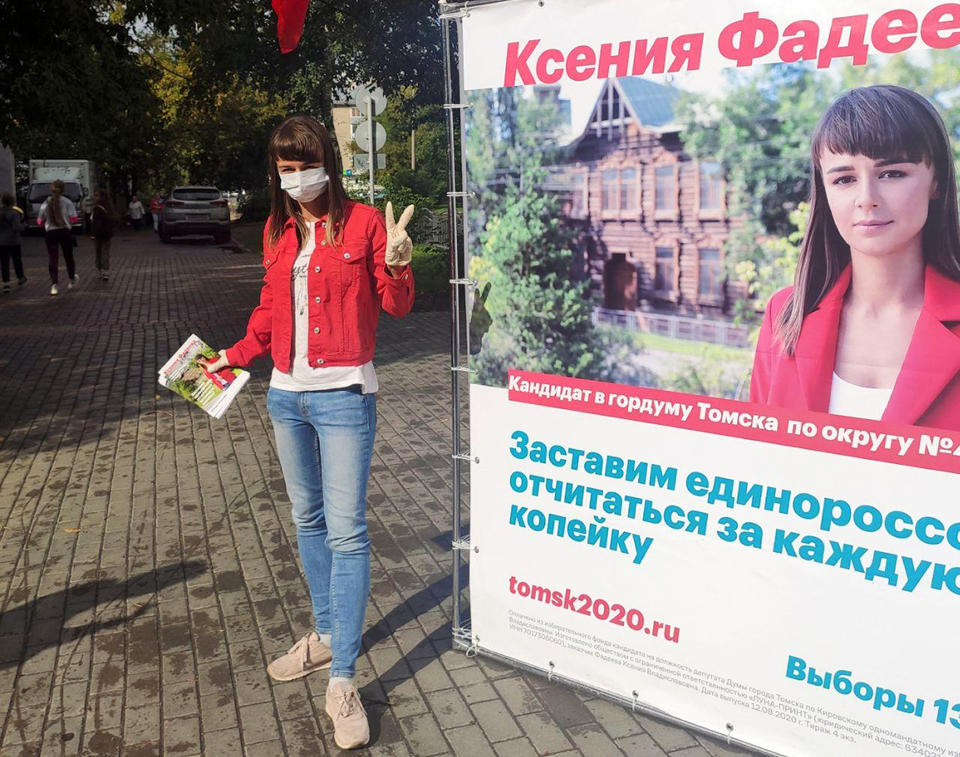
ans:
(715, 361)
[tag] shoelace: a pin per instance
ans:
(302, 648)
(349, 701)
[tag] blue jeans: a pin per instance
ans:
(324, 442)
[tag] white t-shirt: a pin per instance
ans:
(857, 401)
(136, 210)
(67, 210)
(303, 377)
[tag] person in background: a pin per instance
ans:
(156, 205)
(103, 222)
(11, 224)
(56, 215)
(135, 209)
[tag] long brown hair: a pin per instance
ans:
(303, 138)
(107, 204)
(880, 122)
(54, 206)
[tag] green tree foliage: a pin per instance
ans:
(541, 319)
(73, 87)
(404, 115)
(164, 91)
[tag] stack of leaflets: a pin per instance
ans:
(212, 392)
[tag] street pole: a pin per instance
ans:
(413, 149)
(372, 148)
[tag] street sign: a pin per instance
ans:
(361, 162)
(362, 136)
(363, 93)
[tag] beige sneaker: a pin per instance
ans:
(304, 657)
(350, 727)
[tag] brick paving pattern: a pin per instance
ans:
(148, 560)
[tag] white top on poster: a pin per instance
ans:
(857, 401)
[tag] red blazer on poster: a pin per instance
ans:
(927, 389)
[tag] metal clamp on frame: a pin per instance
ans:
(456, 13)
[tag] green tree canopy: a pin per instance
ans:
(541, 318)
(162, 91)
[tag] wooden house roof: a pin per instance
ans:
(632, 100)
(651, 103)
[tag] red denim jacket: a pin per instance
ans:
(347, 284)
(927, 390)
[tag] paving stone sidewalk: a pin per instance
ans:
(148, 563)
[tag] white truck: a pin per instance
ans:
(79, 179)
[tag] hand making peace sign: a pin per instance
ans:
(399, 246)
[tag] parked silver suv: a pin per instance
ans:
(195, 210)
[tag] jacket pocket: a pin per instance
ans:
(350, 264)
(270, 263)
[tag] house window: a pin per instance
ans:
(666, 189)
(628, 189)
(711, 273)
(610, 187)
(570, 188)
(664, 270)
(578, 195)
(711, 187)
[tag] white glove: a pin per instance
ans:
(215, 365)
(399, 246)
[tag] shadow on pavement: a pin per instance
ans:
(34, 626)
(415, 659)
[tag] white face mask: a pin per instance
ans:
(304, 186)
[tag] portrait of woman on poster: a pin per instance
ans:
(871, 326)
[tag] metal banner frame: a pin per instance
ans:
(451, 15)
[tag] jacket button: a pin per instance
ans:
(346, 254)
(317, 269)
(319, 361)
(323, 224)
(323, 242)
(316, 329)
(267, 261)
(316, 299)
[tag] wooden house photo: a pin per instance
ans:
(653, 221)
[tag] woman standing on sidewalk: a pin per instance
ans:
(103, 219)
(56, 215)
(331, 266)
(11, 224)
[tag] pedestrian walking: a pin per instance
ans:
(331, 266)
(11, 224)
(156, 205)
(135, 209)
(56, 214)
(103, 221)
